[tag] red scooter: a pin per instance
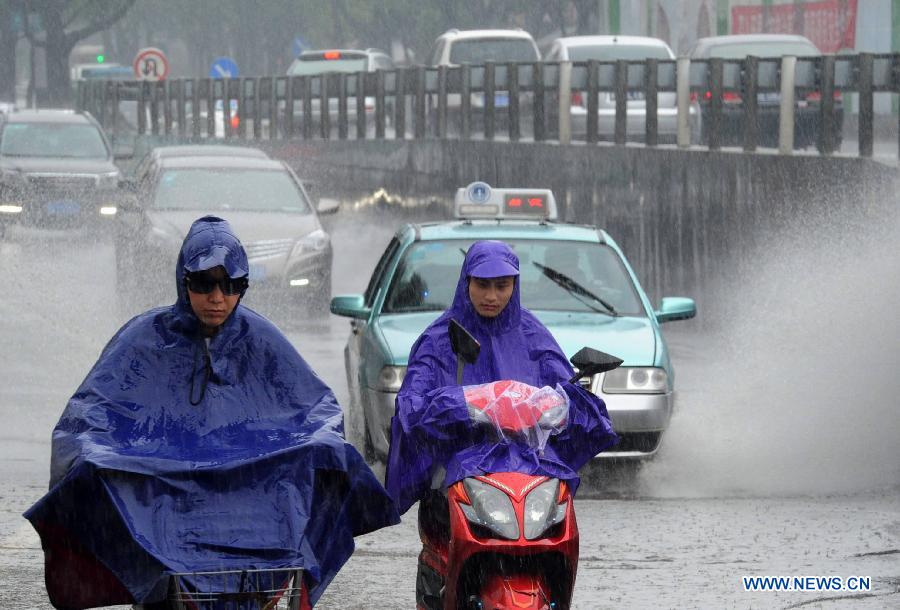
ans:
(511, 539)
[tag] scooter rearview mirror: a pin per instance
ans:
(590, 361)
(464, 345)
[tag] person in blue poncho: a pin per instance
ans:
(200, 441)
(431, 431)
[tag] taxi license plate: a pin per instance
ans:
(257, 273)
(64, 207)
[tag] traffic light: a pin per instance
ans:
(101, 58)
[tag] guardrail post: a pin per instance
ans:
(465, 107)
(593, 101)
(489, 100)
(257, 107)
(115, 108)
(786, 112)
(306, 88)
(651, 102)
(324, 107)
(212, 85)
(826, 105)
(379, 104)
(866, 108)
(154, 108)
(565, 102)
(273, 105)
(537, 80)
(360, 105)
(419, 130)
(242, 110)
(749, 79)
(167, 105)
(195, 109)
(683, 100)
(714, 79)
(621, 102)
(512, 83)
(226, 108)
(442, 102)
(342, 107)
(400, 104)
(180, 101)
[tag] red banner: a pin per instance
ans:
(830, 24)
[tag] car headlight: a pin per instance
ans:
(10, 208)
(108, 180)
(636, 380)
(541, 509)
(317, 241)
(490, 508)
(390, 378)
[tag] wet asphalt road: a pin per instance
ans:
(645, 543)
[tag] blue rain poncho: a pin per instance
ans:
(432, 428)
(257, 474)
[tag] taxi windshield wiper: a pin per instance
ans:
(576, 289)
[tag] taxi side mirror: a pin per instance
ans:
(675, 308)
(350, 306)
(328, 206)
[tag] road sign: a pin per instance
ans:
(223, 67)
(151, 64)
(298, 46)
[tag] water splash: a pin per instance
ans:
(799, 390)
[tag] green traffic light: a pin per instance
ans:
(100, 59)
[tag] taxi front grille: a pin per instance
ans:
(268, 248)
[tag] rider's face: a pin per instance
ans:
(489, 296)
(213, 309)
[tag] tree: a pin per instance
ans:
(65, 23)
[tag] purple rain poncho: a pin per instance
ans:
(255, 474)
(431, 427)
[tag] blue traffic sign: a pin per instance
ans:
(298, 46)
(223, 67)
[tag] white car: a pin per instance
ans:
(476, 47)
(614, 48)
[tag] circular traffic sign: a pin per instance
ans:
(223, 67)
(150, 64)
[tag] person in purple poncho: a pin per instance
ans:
(433, 442)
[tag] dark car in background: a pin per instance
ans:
(807, 122)
(289, 251)
(56, 171)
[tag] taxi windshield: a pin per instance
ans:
(253, 190)
(427, 274)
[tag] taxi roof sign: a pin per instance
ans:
(480, 200)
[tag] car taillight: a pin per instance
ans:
(816, 96)
(730, 97)
(577, 98)
(235, 121)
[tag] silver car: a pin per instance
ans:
(289, 250)
(609, 49)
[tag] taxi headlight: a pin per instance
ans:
(390, 378)
(490, 508)
(317, 241)
(636, 380)
(541, 510)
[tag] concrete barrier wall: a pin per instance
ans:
(687, 220)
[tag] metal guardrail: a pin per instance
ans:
(419, 102)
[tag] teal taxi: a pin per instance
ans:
(574, 278)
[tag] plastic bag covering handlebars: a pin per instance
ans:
(431, 428)
(256, 475)
(519, 412)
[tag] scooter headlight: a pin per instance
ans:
(541, 510)
(491, 508)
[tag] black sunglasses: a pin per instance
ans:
(203, 283)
